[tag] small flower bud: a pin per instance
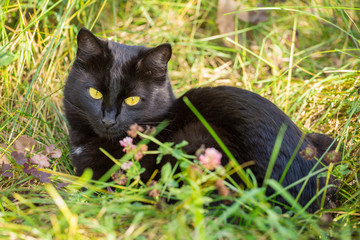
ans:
(127, 143)
(153, 192)
(211, 159)
(222, 189)
(119, 177)
(134, 128)
(126, 165)
(332, 157)
(309, 152)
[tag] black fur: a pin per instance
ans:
(246, 122)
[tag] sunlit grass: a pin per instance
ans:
(304, 58)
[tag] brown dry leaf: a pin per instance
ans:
(3, 159)
(56, 153)
(49, 149)
(41, 160)
(257, 16)
(4, 170)
(24, 143)
(19, 157)
(226, 23)
(53, 153)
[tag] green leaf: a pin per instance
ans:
(165, 149)
(158, 158)
(6, 58)
(165, 172)
(177, 153)
(142, 170)
(342, 169)
(278, 210)
(139, 168)
(184, 165)
(182, 144)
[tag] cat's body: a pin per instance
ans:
(247, 123)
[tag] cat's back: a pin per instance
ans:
(233, 106)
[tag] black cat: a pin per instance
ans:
(112, 86)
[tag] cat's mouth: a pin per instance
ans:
(113, 133)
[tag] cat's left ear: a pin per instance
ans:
(155, 60)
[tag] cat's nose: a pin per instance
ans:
(108, 123)
(109, 117)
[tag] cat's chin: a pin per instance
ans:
(111, 135)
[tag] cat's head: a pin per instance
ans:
(112, 86)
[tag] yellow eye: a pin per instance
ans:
(95, 93)
(131, 101)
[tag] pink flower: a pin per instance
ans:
(127, 143)
(126, 165)
(211, 159)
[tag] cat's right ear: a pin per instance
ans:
(155, 61)
(89, 46)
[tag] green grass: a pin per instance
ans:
(304, 58)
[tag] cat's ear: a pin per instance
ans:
(88, 45)
(155, 61)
